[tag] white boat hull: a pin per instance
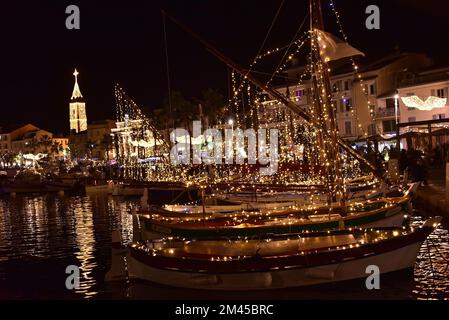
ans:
(391, 261)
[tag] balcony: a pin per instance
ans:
(385, 113)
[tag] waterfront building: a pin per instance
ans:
(363, 94)
(100, 140)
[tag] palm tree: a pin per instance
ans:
(212, 104)
(46, 142)
(181, 111)
(73, 150)
(56, 148)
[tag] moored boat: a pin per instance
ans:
(274, 262)
(385, 212)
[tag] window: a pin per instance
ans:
(337, 86)
(346, 84)
(411, 119)
(348, 128)
(300, 93)
(347, 104)
(372, 89)
(390, 103)
(439, 116)
(442, 93)
(389, 125)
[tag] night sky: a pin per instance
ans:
(122, 41)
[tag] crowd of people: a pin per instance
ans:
(415, 164)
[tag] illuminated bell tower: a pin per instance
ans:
(78, 117)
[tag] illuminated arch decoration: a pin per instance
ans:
(430, 103)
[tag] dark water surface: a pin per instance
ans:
(41, 235)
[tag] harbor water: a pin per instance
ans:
(40, 236)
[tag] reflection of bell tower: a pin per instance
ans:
(78, 117)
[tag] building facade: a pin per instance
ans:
(77, 108)
(423, 96)
(32, 140)
(100, 139)
(364, 96)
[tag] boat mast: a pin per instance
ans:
(274, 93)
(323, 109)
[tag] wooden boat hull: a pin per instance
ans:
(391, 217)
(282, 272)
(198, 209)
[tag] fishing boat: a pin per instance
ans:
(213, 205)
(377, 213)
(157, 192)
(251, 201)
(275, 262)
(280, 248)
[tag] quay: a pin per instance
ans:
(431, 198)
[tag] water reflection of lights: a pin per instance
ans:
(50, 232)
(82, 211)
(432, 267)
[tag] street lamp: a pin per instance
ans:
(396, 107)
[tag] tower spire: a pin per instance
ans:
(78, 117)
(76, 94)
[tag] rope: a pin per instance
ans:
(289, 46)
(258, 53)
(266, 36)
